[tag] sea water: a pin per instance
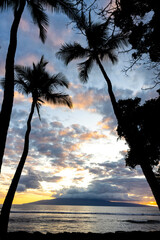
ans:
(56, 219)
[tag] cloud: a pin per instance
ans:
(19, 98)
(96, 190)
(56, 145)
(88, 98)
(52, 179)
(53, 39)
(92, 135)
(119, 169)
(27, 60)
(79, 101)
(111, 189)
(58, 35)
(24, 25)
(98, 101)
(49, 140)
(112, 181)
(29, 181)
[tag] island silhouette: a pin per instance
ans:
(84, 202)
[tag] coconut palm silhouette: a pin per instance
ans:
(37, 10)
(43, 88)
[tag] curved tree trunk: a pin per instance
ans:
(7, 103)
(110, 90)
(5, 211)
(147, 170)
(152, 181)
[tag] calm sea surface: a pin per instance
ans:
(55, 219)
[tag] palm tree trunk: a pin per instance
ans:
(7, 103)
(152, 181)
(110, 90)
(146, 168)
(5, 211)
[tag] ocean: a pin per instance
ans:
(58, 219)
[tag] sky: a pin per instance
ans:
(73, 152)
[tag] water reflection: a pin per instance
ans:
(56, 219)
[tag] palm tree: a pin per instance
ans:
(101, 46)
(37, 10)
(41, 85)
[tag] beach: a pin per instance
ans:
(83, 236)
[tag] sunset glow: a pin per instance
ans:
(73, 152)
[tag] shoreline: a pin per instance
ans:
(119, 235)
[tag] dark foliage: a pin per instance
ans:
(140, 128)
(142, 20)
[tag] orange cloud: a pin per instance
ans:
(81, 102)
(92, 135)
(74, 147)
(82, 136)
(18, 98)
(65, 132)
(86, 99)
(104, 124)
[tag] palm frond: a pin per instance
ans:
(59, 80)
(41, 84)
(68, 52)
(21, 86)
(112, 57)
(50, 84)
(38, 105)
(4, 4)
(117, 41)
(58, 99)
(22, 71)
(42, 63)
(96, 35)
(85, 68)
(39, 18)
(64, 6)
(108, 54)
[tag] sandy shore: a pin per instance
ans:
(137, 235)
